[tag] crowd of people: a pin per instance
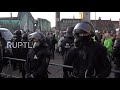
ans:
(90, 53)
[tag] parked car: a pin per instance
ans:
(7, 35)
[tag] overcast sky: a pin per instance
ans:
(51, 15)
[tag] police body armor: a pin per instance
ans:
(69, 42)
(68, 46)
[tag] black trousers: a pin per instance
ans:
(53, 53)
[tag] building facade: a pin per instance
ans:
(99, 24)
(64, 23)
(107, 25)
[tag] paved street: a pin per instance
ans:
(56, 71)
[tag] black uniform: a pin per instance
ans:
(2, 50)
(24, 49)
(15, 49)
(24, 52)
(38, 67)
(66, 44)
(38, 57)
(4, 43)
(1, 57)
(88, 58)
(116, 56)
(92, 56)
(98, 37)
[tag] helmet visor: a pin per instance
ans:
(83, 27)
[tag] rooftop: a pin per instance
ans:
(8, 18)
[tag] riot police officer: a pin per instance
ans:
(24, 48)
(88, 58)
(68, 41)
(38, 57)
(116, 53)
(17, 37)
(24, 51)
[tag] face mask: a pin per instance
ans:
(83, 38)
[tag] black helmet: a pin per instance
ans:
(84, 26)
(39, 37)
(69, 32)
(17, 32)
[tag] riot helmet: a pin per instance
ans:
(83, 31)
(69, 32)
(83, 27)
(37, 39)
(18, 33)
